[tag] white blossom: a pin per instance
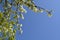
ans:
(20, 25)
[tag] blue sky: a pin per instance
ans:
(38, 26)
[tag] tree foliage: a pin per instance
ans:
(9, 17)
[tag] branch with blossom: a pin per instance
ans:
(9, 17)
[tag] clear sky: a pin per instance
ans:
(38, 26)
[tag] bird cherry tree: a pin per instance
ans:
(11, 11)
